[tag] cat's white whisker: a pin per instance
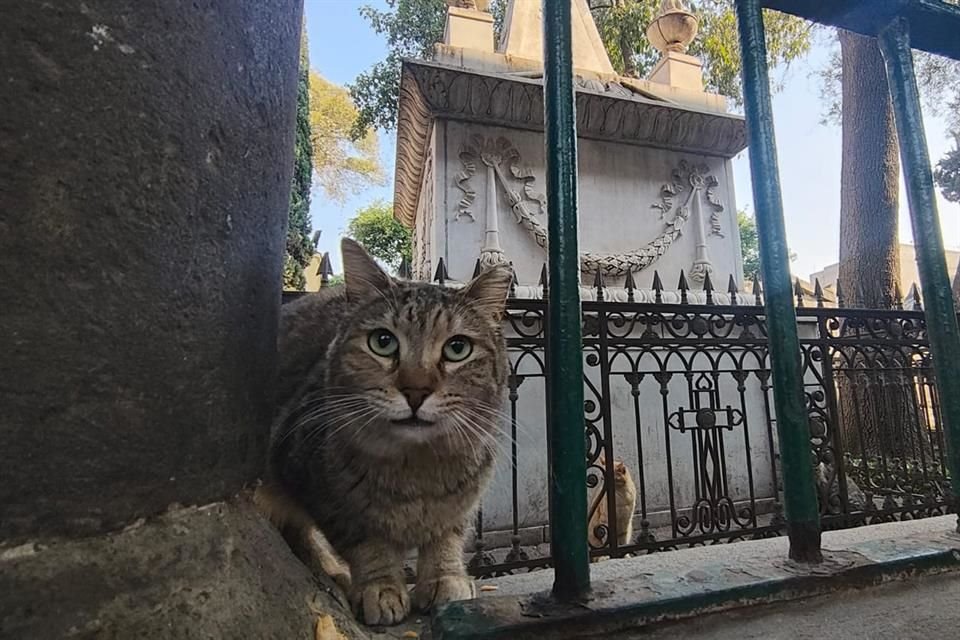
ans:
(493, 425)
(505, 422)
(320, 412)
(485, 438)
(342, 422)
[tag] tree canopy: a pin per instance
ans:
(343, 164)
(947, 173)
(411, 27)
(381, 234)
(749, 244)
(622, 25)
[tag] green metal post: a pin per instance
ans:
(568, 468)
(937, 297)
(799, 492)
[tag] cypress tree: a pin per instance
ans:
(299, 248)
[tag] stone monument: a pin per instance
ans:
(656, 186)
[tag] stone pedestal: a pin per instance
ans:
(147, 155)
(678, 70)
(469, 29)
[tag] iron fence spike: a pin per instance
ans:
(630, 285)
(441, 276)
(657, 287)
(757, 290)
(598, 284)
(732, 290)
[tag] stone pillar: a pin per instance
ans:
(144, 188)
(147, 152)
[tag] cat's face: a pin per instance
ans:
(620, 472)
(423, 364)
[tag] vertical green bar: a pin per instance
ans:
(937, 297)
(799, 491)
(568, 468)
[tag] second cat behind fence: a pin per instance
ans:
(389, 414)
(625, 499)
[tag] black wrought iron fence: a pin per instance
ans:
(677, 388)
(681, 395)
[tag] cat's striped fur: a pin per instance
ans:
(384, 453)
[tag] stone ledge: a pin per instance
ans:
(218, 571)
(640, 591)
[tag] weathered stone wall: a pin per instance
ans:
(147, 151)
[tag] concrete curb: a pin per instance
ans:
(757, 574)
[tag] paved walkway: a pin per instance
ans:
(927, 608)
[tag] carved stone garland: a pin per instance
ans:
(701, 186)
(494, 153)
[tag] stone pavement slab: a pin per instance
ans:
(927, 608)
(649, 589)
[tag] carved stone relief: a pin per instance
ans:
(701, 188)
(500, 161)
(681, 200)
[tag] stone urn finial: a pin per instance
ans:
(674, 28)
(478, 5)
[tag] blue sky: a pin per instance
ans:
(342, 45)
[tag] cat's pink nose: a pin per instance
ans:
(415, 397)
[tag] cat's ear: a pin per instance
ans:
(362, 276)
(487, 293)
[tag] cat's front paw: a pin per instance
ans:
(437, 591)
(381, 602)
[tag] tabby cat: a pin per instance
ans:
(391, 392)
(625, 499)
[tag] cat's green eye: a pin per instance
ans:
(457, 349)
(383, 343)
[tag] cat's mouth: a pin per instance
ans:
(413, 421)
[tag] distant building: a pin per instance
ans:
(312, 273)
(909, 275)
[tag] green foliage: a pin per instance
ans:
(749, 244)
(299, 247)
(622, 25)
(947, 173)
(341, 164)
(381, 234)
(411, 28)
(937, 77)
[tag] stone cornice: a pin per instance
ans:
(605, 111)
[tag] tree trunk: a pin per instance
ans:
(877, 413)
(869, 243)
(956, 287)
(627, 50)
